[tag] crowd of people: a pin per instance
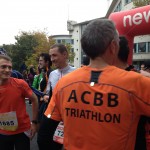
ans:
(103, 105)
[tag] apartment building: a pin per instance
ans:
(141, 51)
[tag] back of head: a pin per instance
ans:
(46, 58)
(97, 36)
(31, 70)
(124, 49)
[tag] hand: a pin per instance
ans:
(45, 98)
(145, 73)
(33, 130)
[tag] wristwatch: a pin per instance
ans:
(34, 121)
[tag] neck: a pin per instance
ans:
(98, 63)
(63, 66)
(122, 65)
(3, 81)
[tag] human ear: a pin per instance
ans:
(114, 47)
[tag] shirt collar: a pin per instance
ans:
(64, 69)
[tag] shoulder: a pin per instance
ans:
(73, 75)
(19, 82)
(56, 71)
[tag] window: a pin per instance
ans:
(135, 48)
(142, 47)
(72, 41)
(68, 41)
(128, 1)
(119, 7)
(63, 41)
(72, 50)
(148, 46)
(82, 28)
(59, 41)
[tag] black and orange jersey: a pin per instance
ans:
(100, 114)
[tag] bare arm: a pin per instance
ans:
(34, 101)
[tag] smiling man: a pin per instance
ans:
(59, 57)
(15, 127)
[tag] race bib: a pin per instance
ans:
(59, 133)
(8, 121)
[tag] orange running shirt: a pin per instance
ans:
(12, 99)
(103, 116)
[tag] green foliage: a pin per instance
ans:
(71, 54)
(9, 49)
(24, 48)
(140, 3)
(28, 47)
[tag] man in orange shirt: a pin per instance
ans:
(100, 104)
(123, 54)
(15, 127)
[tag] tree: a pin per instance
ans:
(9, 49)
(43, 46)
(71, 53)
(28, 47)
(23, 48)
(140, 3)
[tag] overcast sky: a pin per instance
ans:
(48, 15)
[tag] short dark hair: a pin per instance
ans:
(97, 36)
(61, 47)
(124, 49)
(86, 60)
(46, 58)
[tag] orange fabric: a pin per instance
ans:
(12, 98)
(103, 116)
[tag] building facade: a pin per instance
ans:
(141, 51)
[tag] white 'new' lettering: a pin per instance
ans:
(136, 19)
(146, 16)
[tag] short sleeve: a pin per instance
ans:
(52, 110)
(27, 91)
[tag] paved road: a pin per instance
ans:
(33, 142)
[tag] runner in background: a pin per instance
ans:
(122, 62)
(40, 81)
(145, 71)
(47, 139)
